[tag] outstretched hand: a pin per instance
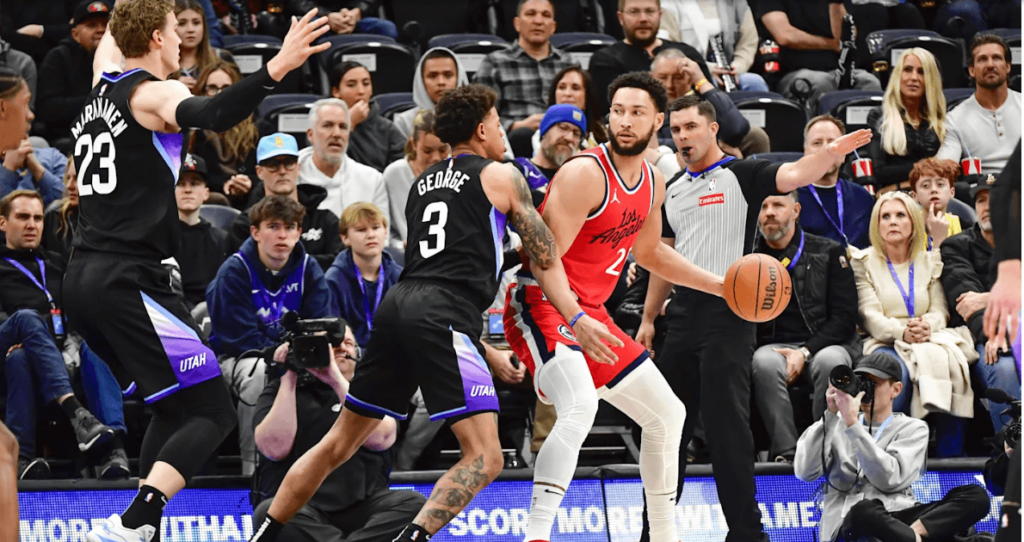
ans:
(849, 142)
(592, 336)
(298, 45)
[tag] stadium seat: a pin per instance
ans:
(287, 113)
(783, 119)
(251, 55)
(850, 106)
(372, 52)
(237, 39)
(581, 45)
(219, 215)
(956, 95)
(418, 21)
(470, 48)
(394, 102)
(885, 47)
(778, 157)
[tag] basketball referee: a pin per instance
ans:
(710, 217)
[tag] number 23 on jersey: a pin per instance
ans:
(97, 173)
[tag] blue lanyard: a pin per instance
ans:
(878, 434)
(799, 252)
(839, 203)
(366, 301)
(42, 273)
(907, 299)
(693, 174)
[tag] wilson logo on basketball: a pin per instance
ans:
(770, 290)
(711, 200)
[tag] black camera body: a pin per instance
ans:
(844, 379)
(310, 341)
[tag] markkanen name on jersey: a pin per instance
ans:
(100, 108)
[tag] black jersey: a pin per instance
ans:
(455, 234)
(126, 175)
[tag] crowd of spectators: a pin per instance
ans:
(320, 229)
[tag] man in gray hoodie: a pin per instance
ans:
(872, 458)
(439, 70)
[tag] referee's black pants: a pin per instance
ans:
(707, 359)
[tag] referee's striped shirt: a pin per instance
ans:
(712, 214)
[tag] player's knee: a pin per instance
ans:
(666, 426)
(337, 449)
(487, 458)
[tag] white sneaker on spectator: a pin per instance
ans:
(112, 531)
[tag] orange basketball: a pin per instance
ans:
(757, 287)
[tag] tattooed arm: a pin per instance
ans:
(542, 247)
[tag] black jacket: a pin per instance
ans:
(375, 141)
(219, 171)
(200, 256)
(893, 169)
(65, 80)
(320, 235)
(619, 58)
(18, 292)
(825, 291)
(966, 259)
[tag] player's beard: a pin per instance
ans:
(633, 150)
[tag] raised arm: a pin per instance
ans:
(660, 259)
(168, 106)
(812, 167)
(509, 192)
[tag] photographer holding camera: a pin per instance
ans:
(295, 410)
(872, 456)
(271, 275)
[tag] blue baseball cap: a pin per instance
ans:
(563, 113)
(276, 145)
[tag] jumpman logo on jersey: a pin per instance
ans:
(615, 197)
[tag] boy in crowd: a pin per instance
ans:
(931, 185)
(362, 274)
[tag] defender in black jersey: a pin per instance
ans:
(128, 150)
(426, 331)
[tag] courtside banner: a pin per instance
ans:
(594, 510)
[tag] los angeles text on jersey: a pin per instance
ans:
(100, 108)
(447, 178)
(631, 223)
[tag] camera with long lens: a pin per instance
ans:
(844, 379)
(310, 341)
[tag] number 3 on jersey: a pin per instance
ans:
(103, 177)
(436, 229)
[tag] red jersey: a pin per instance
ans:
(594, 261)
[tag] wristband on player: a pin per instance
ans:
(576, 318)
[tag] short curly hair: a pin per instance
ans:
(643, 81)
(934, 167)
(461, 110)
(132, 24)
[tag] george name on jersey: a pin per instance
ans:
(448, 178)
(100, 108)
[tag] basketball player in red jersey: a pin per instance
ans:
(601, 204)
